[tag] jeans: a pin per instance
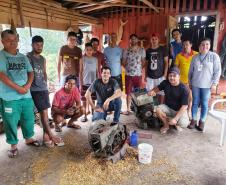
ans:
(200, 97)
(115, 105)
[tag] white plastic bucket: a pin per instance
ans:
(145, 153)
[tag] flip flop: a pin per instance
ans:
(35, 143)
(61, 143)
(13, 153)
(58, 128)
(48, 144)
(74, 126)
(164, 130)
(84, 119)
(127, 113)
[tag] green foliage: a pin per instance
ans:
(53, 40)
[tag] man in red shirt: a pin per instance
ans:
(67, 104)
(99, 55)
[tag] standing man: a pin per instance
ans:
(39, 90)
(157, 65)
(204, 75)
(68, 59)
(176, 45)
(183, 61)
(174, 110)
(99, 55)
(133, 61)
(108, 95)
(16, 76)
(113, 55)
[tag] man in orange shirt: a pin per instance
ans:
(183, 61)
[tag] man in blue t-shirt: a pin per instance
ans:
(176, 45)
(16, 76)
(113, 55)
(174, 110)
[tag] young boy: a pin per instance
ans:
(39, 90)
(88, 74)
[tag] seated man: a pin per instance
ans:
(174, 111)
(108, 96)
(67, 104)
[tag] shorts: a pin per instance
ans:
(63, 78)
(83, 92)
(183, 120)
(132, 82)
(41, 100)
(119, 80)
(152, 83)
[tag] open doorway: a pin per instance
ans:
(198, 27)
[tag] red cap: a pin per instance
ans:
(155, 35)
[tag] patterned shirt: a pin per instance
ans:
(134, 61)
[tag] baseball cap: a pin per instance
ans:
(174, 70)
(155, 35)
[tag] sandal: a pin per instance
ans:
(35, 143)
(12, 153)
(48, 144)
(74, 126)
(61, 143)
(84, 119)
(58, 128)
(127, 113)
(164, 130)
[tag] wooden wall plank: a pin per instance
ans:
(191, 5)
(197, 5)
(171, 6)
(205, 4)
(166, 6)
(177, 6)
(212, 6)
(184, 6)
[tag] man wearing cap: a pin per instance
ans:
(157, 65)
(174, 111)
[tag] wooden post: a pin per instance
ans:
(177, 6)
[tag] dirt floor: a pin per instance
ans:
(188, 157)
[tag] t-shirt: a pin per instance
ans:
(176, 48)
(65, 100)
(183, 62)
(70, 60)
(113, 59)
(89, 69)
(134, 61)
(16, 68)
(100, 57)
(103, 91)
(175, 96)
(156, 64)
(39, 83)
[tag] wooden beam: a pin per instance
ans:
(100, 3)
(150, 5)
(118, 5)
(20, 11)
(81, 1)
(96, 7)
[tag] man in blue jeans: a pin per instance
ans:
(108, 95)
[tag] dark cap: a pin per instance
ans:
(174, 70)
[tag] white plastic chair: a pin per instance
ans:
(221, 116)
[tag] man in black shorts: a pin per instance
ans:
(108, 95)
(174, 111)
(39, 90)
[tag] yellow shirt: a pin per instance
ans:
(183, 62)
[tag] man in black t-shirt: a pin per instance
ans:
(108, 95)
(157, 65)
(174, 111)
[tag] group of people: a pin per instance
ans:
(92, 82)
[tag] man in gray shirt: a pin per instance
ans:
(39, 90)
(204, 75)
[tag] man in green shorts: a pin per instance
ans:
(16, 76)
